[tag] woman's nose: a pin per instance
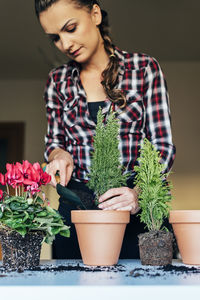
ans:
(66, 43)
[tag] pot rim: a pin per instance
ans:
(184, 216)
(100, 216)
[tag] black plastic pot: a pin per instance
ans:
(20, 253)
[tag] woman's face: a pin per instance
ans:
(73, 30)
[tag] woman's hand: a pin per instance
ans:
(122, 198)
(60, 161)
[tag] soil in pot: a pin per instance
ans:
(20, 253)
(156, 248)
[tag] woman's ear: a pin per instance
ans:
(96, 14)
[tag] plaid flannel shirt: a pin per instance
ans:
(147, 113)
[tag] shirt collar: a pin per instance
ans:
(121, 59)
(73, 70)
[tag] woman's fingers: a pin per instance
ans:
(119, 199)
(116, 202)
(52, 173)
(129, 208)
(112, 193)
(62, 166)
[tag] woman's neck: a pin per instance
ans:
(98, 62)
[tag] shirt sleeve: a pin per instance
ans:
(158, 120)
(55, 137)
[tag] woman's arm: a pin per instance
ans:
(157, 113)
(56, 141)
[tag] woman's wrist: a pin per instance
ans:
(57, 153)
(136, 207)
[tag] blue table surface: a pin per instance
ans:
(127, 272)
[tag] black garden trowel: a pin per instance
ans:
(85, 201)
(72, 198)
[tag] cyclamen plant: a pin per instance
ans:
(26, 211)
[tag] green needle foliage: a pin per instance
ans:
(154, 190)
(106, 170)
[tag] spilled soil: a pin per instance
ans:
(163, 270)
(66, 268)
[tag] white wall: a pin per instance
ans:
(22, 100)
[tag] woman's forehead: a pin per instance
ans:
(58, 14)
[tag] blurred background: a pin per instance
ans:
(167, 30)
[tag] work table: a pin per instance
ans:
(128, 280)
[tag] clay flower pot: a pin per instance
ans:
(100, 235)
(20, 253)
(186, 226)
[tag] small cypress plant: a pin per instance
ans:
(154, 189)
(106, 171)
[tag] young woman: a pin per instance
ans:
(99, 74)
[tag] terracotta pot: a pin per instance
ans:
(186, 226)
(20, 253)
(100, 235)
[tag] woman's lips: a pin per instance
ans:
(76, 53)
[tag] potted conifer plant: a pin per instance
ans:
(26, 219)
(100, 233)
(156, 245)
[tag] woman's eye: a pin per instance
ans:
(71, 28)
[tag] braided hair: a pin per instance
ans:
(110, 74)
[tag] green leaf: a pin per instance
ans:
(42, 214)
(39, 200)
(21, 230)
(65, 233)
(29, 201)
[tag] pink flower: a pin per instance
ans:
(45, 178)
(31, 172)
(36, 166)
(2, 179)
(19, 167)
(33, 188)
(25, 166)
(13, 176)
(25, 174)
(1, 194)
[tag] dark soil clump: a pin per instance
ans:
(163, 271)
(156, 248)
(20, 253)
(179, 269)
(63, 268)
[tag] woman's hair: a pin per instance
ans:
(110, 74)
